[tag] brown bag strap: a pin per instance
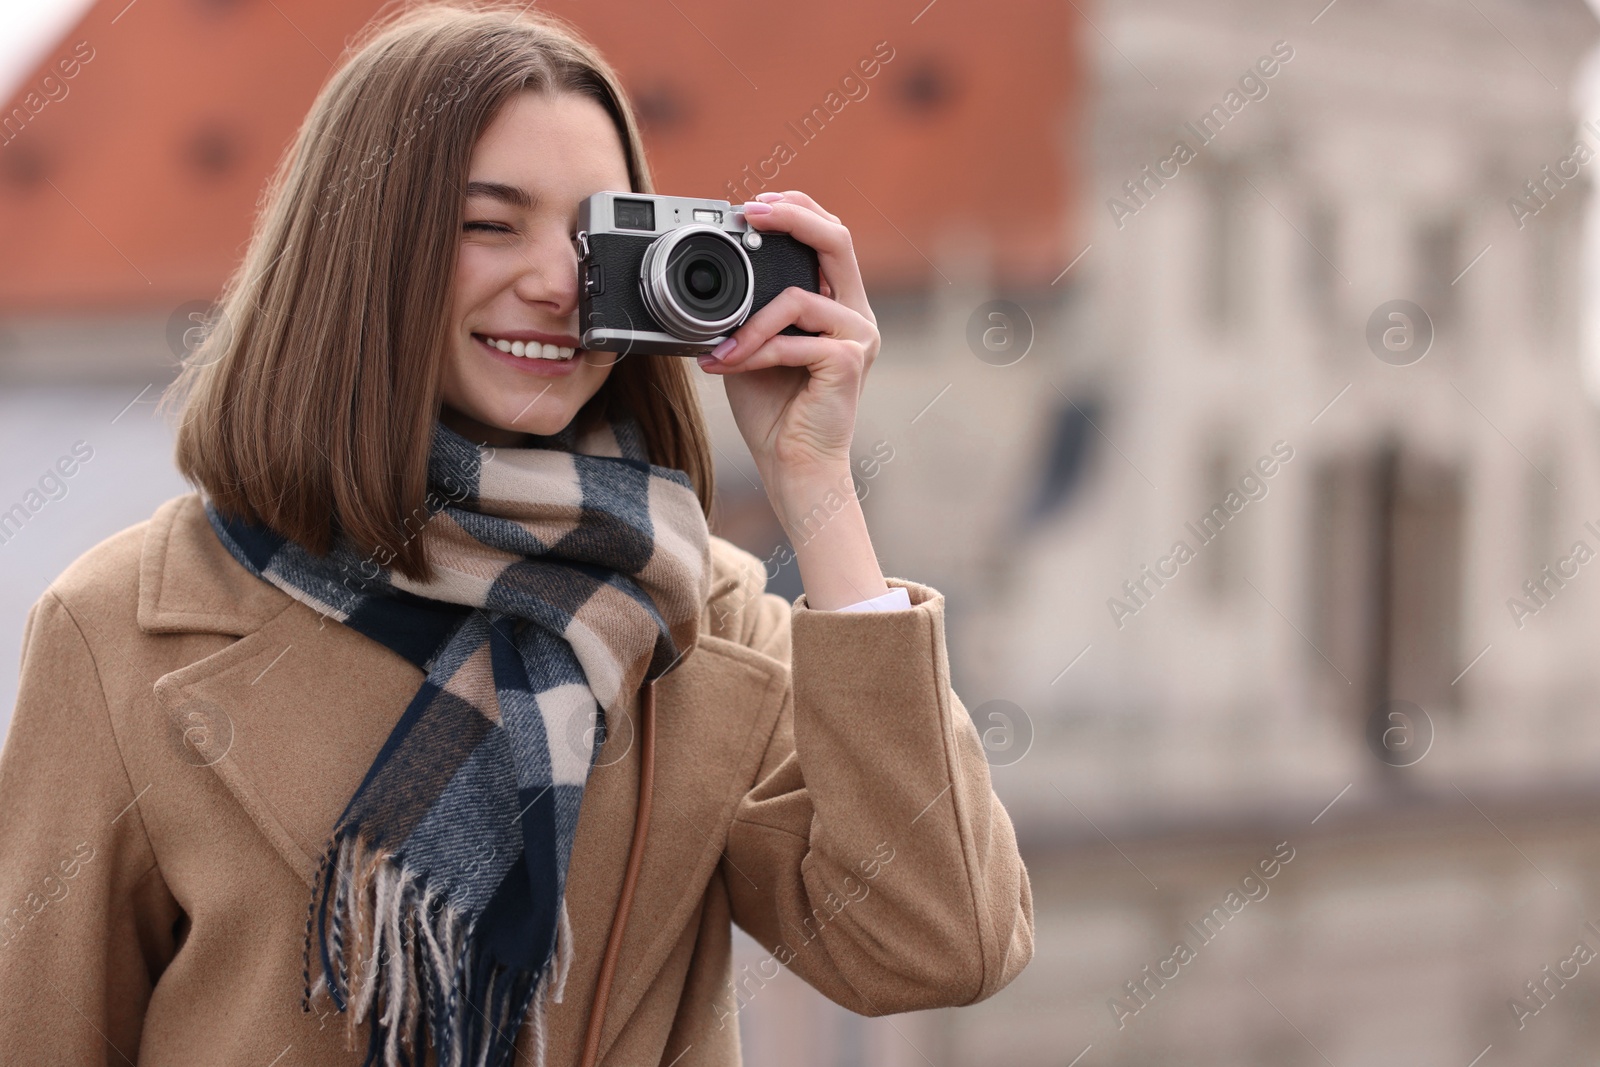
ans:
(619, 921)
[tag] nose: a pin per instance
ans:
(549, 277)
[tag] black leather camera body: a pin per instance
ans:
(675, 275)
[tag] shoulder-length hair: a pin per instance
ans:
(309, 406)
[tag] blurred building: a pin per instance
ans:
(1367, 519)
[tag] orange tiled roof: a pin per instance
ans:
(131, 175)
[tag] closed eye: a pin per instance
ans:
(487, 227)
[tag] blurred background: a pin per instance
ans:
(1238, 390)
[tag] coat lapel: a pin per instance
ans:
(714, 714)
(291, 715)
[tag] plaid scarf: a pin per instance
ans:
(565, 576)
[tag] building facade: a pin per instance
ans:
(1250, 558)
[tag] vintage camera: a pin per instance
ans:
(675, 275)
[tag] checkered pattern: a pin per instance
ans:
(565, 576)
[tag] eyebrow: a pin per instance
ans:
(507, 194)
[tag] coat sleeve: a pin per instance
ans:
(86, 917)
(871, 857)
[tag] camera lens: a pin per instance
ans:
(702, 274)
(704, 280)
(697, 282)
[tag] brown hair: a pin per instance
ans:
(309, 406)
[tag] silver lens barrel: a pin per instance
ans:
(659, 283)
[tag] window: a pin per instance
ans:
(1386, 574)
(1547, 268)
(1322, 282)
(1540, 535)
(1222, 540)
(1439, 263)
(1225, 281)
(1423, 598)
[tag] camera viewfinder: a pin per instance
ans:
(635, 214)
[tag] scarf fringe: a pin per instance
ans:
(413, 969)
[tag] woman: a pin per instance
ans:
(435, 727)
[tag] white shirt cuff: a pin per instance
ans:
(896, 599)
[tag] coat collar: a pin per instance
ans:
(188, 583)
(291, 715)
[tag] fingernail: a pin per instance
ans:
(769, 197)
(722, 350)
(757, 208)
(706, 361)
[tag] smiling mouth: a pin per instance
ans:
(528, 349)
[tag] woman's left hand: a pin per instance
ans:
(794, 398)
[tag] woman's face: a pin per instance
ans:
(516, 280)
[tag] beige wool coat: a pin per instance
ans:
(186, 736)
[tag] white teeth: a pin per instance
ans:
(530, 349)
